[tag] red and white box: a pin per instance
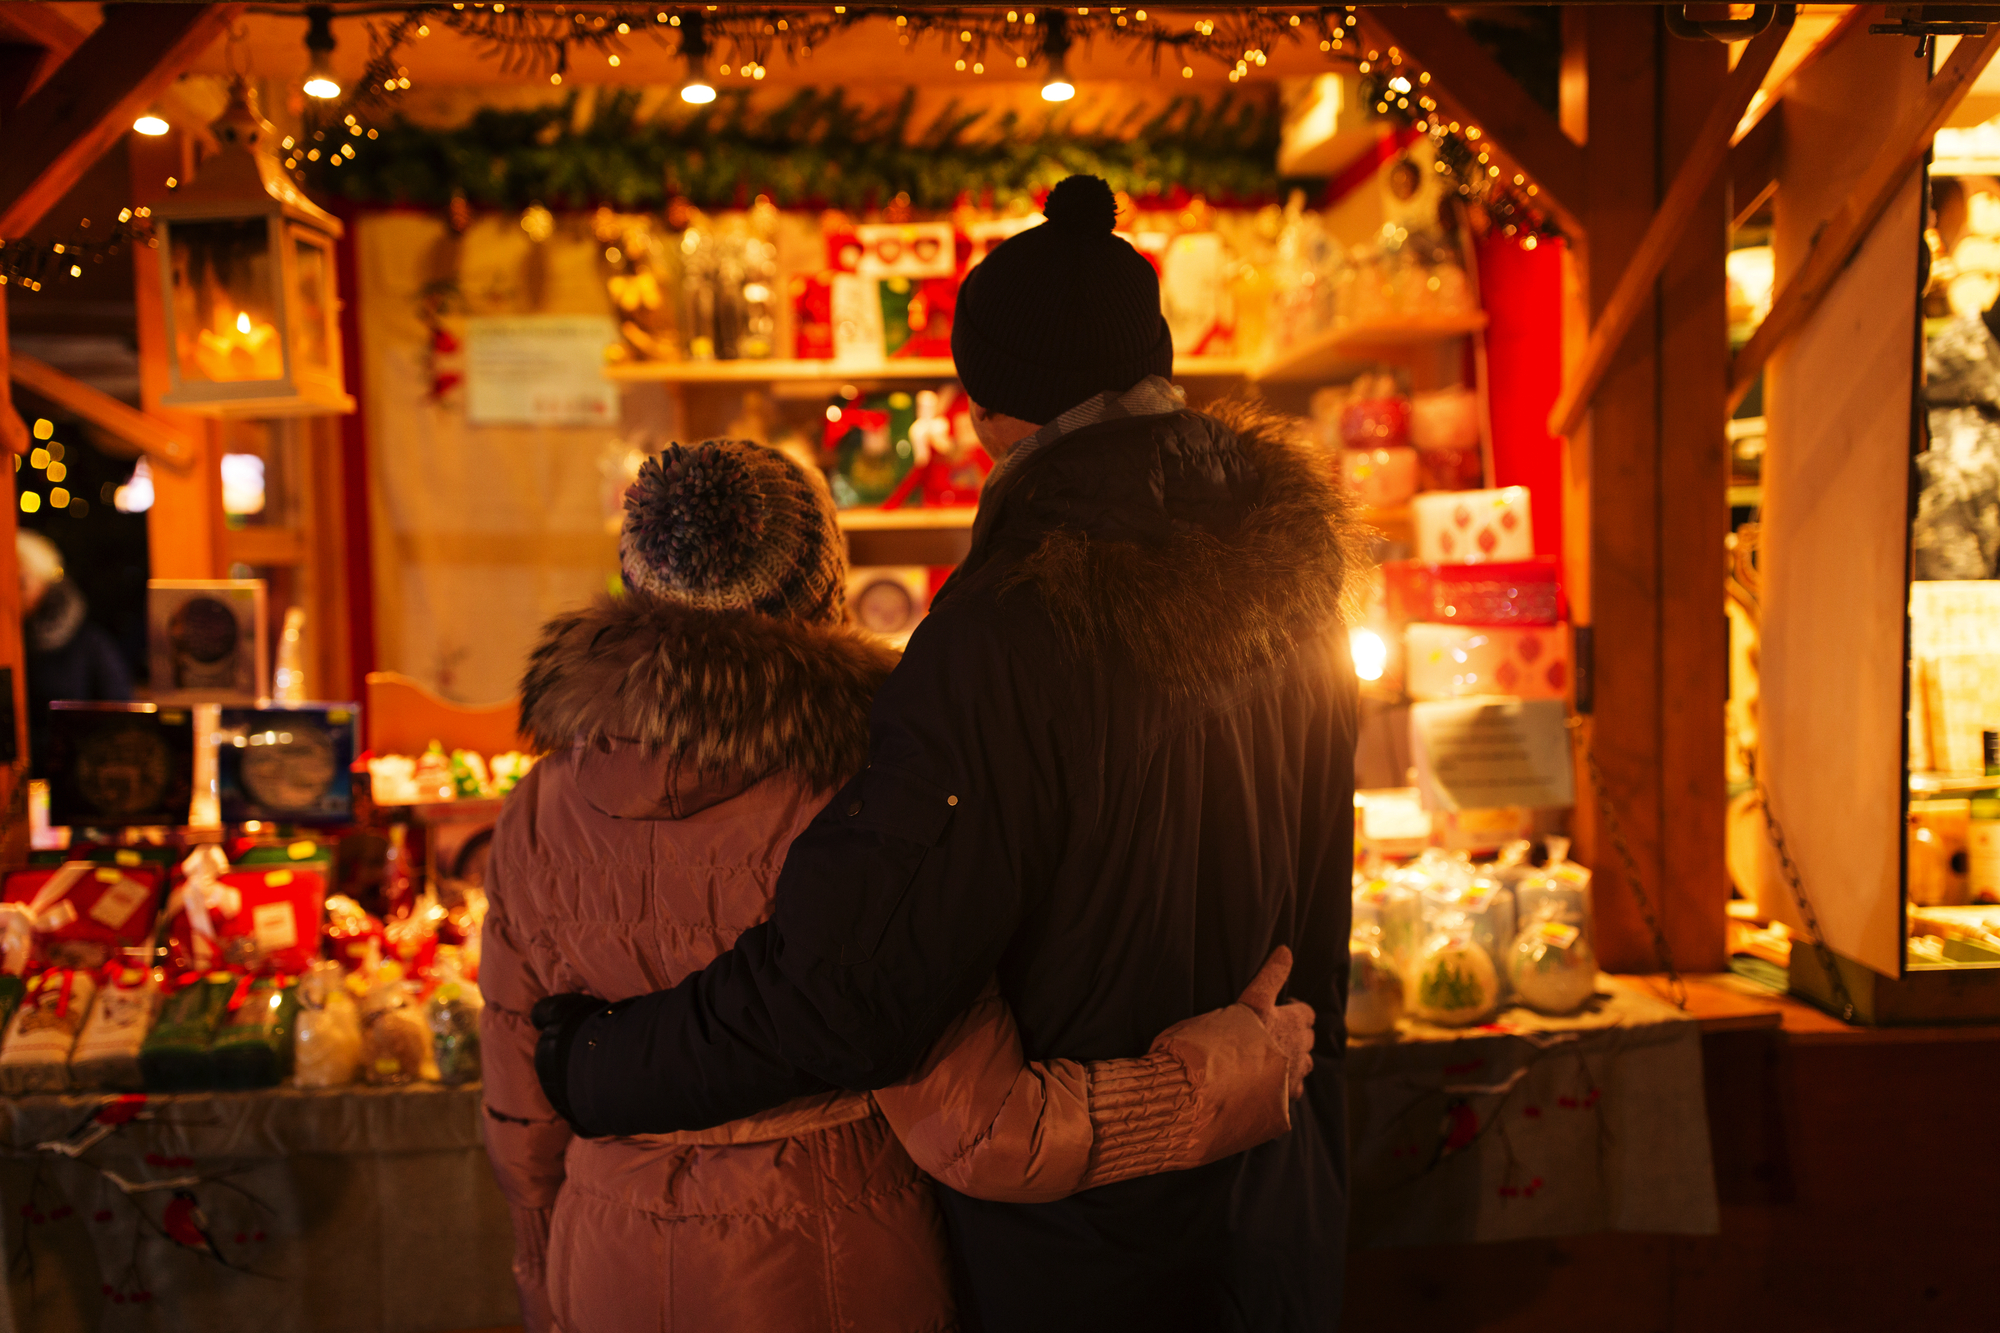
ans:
(84, 902)
(1453, 661)
(1474, 527)
(1504, 592)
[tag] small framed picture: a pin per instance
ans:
(208, 640)
(114, 765)
(290, 765)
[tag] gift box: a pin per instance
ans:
(253, 1044)
(1474, 527)
(257, 920)
(1451, 661)
(175, 1055)
(107, 1051)
(85, 908)
(1508, 592)
(35, 1054)
(288, 765)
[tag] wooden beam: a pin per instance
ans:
(1469, 79)
(1841, 235)
(155, 436)
(1753, 165)
(49, 33)
(64, 127)
(1635, 285)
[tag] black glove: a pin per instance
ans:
(559, 1017)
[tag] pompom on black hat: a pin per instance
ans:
(1060, 312)
(732, 525)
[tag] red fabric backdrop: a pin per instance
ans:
(1522, 292)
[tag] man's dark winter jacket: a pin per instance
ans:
(69, 657)
(1114, 767)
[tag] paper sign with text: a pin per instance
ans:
(1491, 750)
(539, 370)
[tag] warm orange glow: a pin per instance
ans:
(246, 351)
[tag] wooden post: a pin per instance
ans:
(13, 777)
(1653, 478)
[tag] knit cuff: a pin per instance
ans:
(1213, 1086)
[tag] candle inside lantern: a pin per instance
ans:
(244, 350)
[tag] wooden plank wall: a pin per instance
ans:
(1835, 525)
(1649, 473)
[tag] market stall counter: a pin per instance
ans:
(359, 1207)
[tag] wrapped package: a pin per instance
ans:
(253, 920)
(1502, 592)
(253, 1044)
(107, 1050)
(395, 1040)
(1474, 527)
(1453, 661)
(83, 913)
(34, 1057)
(176, 1054)
(353, 937)
(1486, 905)
(327, 1042)
(1395, 906)
(1552, 964)
(1452, 981)
(453, 1015)
(411, 936)
(1444, 427)
(1374, 986)
(1562, 882)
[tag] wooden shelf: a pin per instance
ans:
(830, 373)
(1322, 356)
(945, 518)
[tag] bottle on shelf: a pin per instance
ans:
(1982, 841)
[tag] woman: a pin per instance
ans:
(695, 725)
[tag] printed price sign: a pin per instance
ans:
(1491, 750)
(539, 370)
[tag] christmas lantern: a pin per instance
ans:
(252, 315)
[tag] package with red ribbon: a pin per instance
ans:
(259, 920)
(1510, 592)
(34, 1057)
(82, 913)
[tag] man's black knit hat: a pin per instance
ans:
(1060, 312)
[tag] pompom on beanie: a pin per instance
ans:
(732, 525)
(1060, 312)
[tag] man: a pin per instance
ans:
(1115, 768)
(69, 655)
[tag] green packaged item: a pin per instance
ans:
(12, 988)
(253, 1047)
(176, 1056)
(298, 853)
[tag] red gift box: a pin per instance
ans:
(1514, 592)
(274, 927)
(99, 904)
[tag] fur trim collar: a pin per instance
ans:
(722, 691)
(1204, 607)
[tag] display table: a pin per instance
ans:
(1533, 1126)
(353, 1209)
(364, 1209)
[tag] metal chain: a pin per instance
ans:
(1677, 989)
(1772, 829)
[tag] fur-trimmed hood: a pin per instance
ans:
(1209, 546)
(717, 692)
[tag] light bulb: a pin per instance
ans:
(320, 80)
(1058, 88)
(697, 91)
(243, 321)
(1370, 654)
(151, 123)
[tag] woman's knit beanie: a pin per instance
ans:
(732, 525)
(1060, 312)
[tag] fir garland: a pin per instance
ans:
(815, 150)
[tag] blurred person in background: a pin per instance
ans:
(69, 656)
